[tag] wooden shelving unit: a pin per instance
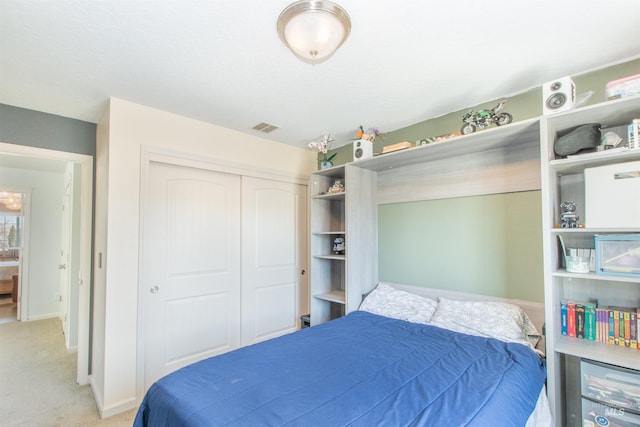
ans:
(563, 179)
(339, 280)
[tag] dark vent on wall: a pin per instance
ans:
(265, 127)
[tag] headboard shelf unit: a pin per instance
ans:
(518, 157)
(500, 160)
(521, 133)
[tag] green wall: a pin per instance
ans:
(489, 245)
(523, 106)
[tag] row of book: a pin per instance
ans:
(607, 324)
(633, 132)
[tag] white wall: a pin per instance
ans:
(97, 378)
(122, 133)
(45, 237)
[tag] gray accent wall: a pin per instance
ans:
(21, 126)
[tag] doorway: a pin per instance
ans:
(25, 159)
(11, 236)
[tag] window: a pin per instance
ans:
(10, 225)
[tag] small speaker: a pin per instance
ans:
(362, 149)
(558, 95)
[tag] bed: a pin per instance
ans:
(402, 359)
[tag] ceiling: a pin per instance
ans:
(222, 62)
(31, 163)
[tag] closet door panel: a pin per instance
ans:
(274, 227)
(191, 267)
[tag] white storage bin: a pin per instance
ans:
(611, 385)
(612, 195)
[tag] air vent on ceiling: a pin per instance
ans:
(265, 127)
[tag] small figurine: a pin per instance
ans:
(485, 118)
(338, 246)
(568, 217)
(337, 187)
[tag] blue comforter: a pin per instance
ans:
(361, 370)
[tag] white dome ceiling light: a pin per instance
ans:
(313, 30)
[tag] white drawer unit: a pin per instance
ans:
(610, 395)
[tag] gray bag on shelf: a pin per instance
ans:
(580, 138)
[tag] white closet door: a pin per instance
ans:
(191, 267)
(274, 230)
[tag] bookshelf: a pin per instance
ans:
(563, 179)
(338, 280)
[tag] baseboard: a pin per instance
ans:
(117, 409)
(97, 396)
(123, 406)
(41, 317)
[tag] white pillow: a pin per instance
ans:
(387, 301)
(503, 321)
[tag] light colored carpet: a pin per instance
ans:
(8, 309)
(38, 386)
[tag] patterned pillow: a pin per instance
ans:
(387, 301)
(503, 321)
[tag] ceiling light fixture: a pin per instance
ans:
(10, 201)
(313, 30)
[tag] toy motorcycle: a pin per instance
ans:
(485, 118)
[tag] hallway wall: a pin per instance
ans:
(44, 237)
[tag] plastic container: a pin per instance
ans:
(577, 264)
(618, 255)
(624, 87)
(579, 260)
(596, 414)
(611, 385)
